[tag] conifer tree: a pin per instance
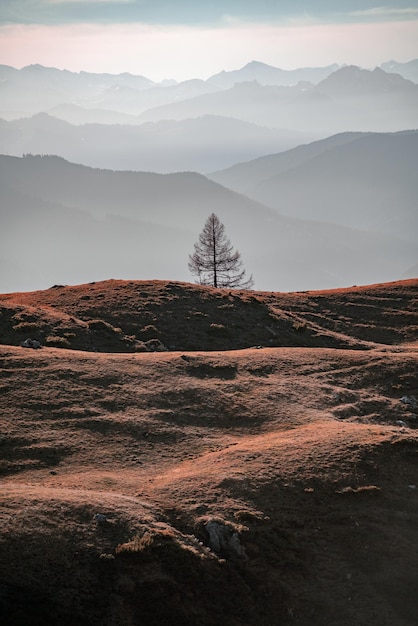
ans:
(214, 260)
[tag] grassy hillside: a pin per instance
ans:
(159, 475)
(272, 486)
(134, 316)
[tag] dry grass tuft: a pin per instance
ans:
(54, 341)
(28, 327)
(364, 489)
(136, 544)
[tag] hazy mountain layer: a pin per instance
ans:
(349, 99)
(366, 181)
(246, 176)
(268, 75)
(198, 126)
(408, 70)
(64, 223)
(35, 88)
(201, 144)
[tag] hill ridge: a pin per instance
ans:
(139, 316)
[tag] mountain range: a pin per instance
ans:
(348, 99)
(215, 129)
(268, 75)
(200, 144)
(331, 204)
(35, 88)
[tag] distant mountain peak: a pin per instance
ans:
(270, 76)
(353, 80)
(258, 65)
(38, 68)
(408, 70)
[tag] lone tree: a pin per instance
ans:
(214, 261)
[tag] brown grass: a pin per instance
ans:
(136, 544)
(119, 316)
(298, 451)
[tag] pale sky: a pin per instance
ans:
(185, 39)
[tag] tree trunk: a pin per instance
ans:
(215, 273)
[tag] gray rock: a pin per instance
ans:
(410, 401)
(31, 343)
(224, 539)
